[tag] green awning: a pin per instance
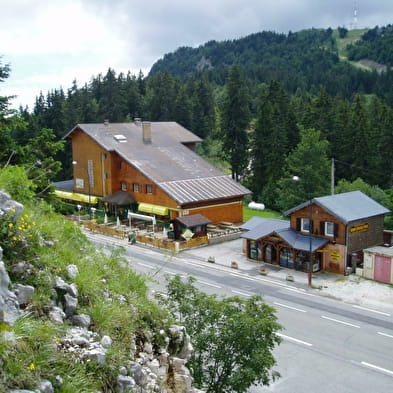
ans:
(153, 209)
(74, 196)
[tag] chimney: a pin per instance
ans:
(137, 121)
(106, 122)
(146, 132)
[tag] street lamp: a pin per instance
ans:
(310, 263)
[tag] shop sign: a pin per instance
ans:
(358, 228)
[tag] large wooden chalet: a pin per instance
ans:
(152, 165)
(335, 228)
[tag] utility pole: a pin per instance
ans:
(332, 178)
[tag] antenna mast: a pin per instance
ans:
(355, 16)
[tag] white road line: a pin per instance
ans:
(384, 370)
(338, 321)
(172, 273)
(371, 310)
(241, 293)
(385, 334)
(290, 307)
(259, 279)
(208, 283)
(299, 290)
(293, 339)
(144, 264)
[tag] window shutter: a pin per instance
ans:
(335, 230)
(311, 228)
(298, 223)
(322, 227)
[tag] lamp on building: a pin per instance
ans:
(310, 260)
(89, 184)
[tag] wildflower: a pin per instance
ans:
(10, 224)
(32, 366)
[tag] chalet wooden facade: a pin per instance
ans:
(156, 163)
(335, 228)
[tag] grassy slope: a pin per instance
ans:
(352, 36)
(249, 213)
(53, 244)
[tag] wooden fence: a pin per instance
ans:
(105, 229)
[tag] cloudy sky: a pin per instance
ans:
(49, 43)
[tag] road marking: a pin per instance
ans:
(144, 264)
(209, 284)
(299, 290)
(384, 370)
(172, 273)
(293, 339)
(241, 293)
(371, 310)
(338, 321)
(259, 279)
(385, 334)
(290, 307)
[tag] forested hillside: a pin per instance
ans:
(302, 61)
(264, 105)
(376, 44)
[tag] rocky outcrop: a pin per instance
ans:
(147, 369)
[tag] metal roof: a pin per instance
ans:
(192, 220)
(347, 207)
(262, 227)
(265, 227)
(301, 242)
(166, 161)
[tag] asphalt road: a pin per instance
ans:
(328, 346)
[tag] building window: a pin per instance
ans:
(305, 225)
(135, 187)
(149, 189)
(329, 228)
(123, 186)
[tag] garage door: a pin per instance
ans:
(382, 268)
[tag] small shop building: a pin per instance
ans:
(334, 229)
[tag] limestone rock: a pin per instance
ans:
(72, 271)
(46, 386)
(125, 384)
(106, 342)
(56, 315)
(82, 320)
(9, 306)
(70, 304)
(24, 293)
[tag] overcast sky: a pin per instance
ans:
(49, 43)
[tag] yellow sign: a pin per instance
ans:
(359, 228)
(336, 256)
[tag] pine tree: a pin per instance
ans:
(270, 142)
(309, 162)
(235, 119)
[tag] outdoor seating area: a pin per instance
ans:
(157, 235)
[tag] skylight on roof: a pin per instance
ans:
(120, 138)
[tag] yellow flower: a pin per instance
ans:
(10, 224)
(32, 366)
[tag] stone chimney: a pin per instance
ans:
(146, 132)
(106, 122)
(137, 121)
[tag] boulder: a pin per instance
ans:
(9, 305)
(82, 320)
(24, 293)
